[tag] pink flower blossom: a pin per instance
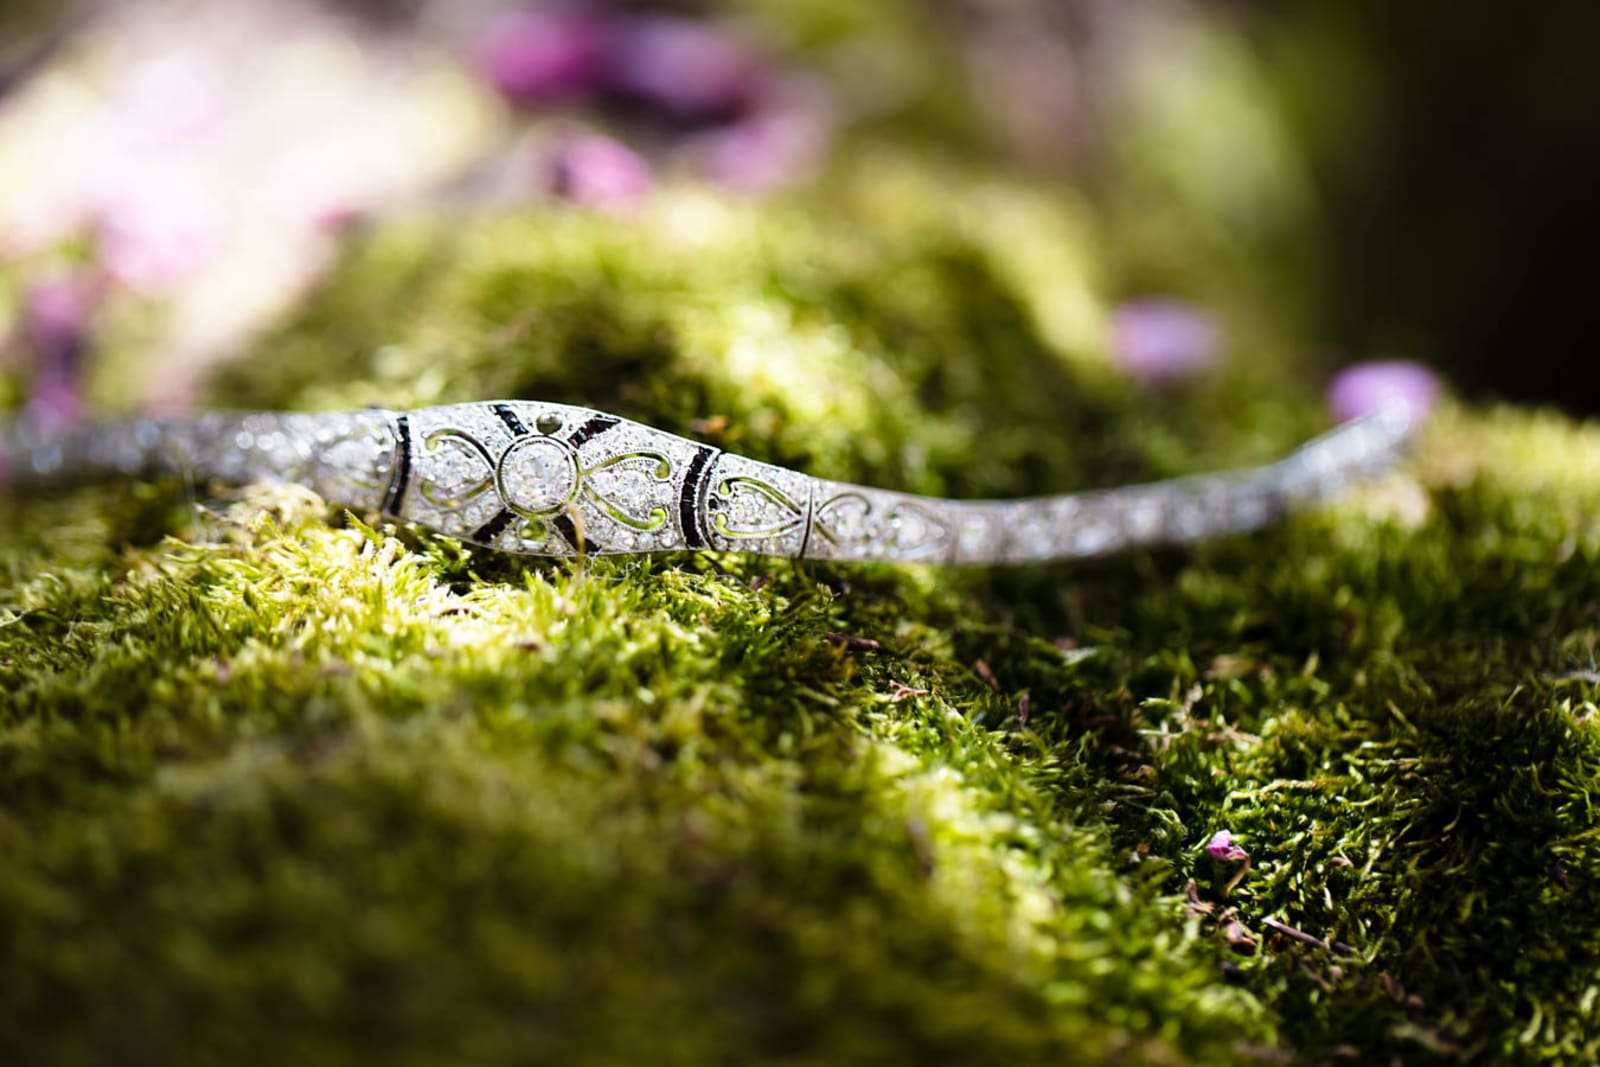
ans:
(1161, 340)
(159, 233)
(57, 316)
(1221, 847)
(543, 55)
(598, 172)
(1367, 388)
(689, 68)
(783, 140)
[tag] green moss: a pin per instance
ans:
(277, 784)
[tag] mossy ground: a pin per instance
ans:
(280, 785)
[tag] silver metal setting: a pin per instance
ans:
(555, 480)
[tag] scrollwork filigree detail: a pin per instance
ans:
(916, 531)
(538, 487)
(748, 508)
(631, 506)
(463, 472)
(846, 520)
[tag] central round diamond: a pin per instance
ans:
(538, 474)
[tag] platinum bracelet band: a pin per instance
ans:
(555, 480)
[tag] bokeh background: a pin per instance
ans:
(1398, 181)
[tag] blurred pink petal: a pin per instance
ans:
(340, 218)
(689, 68)
(57, 316)
(599, 172)
(782, 142)
(543, 55)
(1367, 388)
(1162, 340)
(158, 236)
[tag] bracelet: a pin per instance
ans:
(556, 480)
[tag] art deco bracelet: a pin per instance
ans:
(554, 480)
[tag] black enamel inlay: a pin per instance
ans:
(496, 526)
(569, 530)
(591, 429)
(689, 499)
(509, 417)
(402, 473)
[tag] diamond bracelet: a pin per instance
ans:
(556, 480)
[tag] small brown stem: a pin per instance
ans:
(1298, 935)
(1238, 876)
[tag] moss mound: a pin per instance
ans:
(277, 784)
